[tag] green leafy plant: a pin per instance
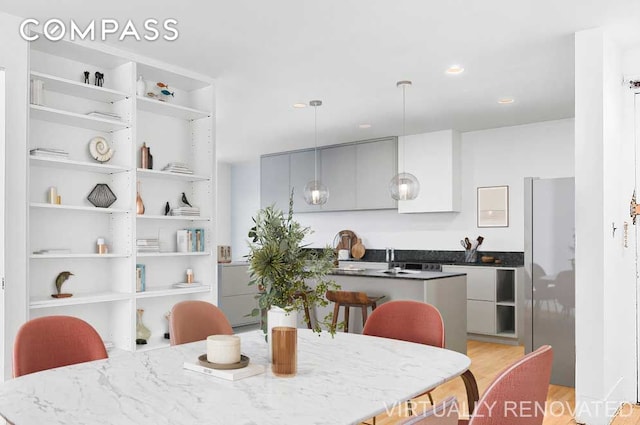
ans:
(281, 266)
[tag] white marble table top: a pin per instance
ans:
(341, 380)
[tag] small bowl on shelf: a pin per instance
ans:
(487, 259)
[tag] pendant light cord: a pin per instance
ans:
(315, 150)
(404, 132)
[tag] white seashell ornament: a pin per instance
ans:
(100, 150)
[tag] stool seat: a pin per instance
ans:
(349, 299)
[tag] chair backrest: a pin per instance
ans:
(195, 320)
(443, 413)
(517, 396)
(55, 341)
(405, 320)
(348, 297)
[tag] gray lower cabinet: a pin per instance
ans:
(235, 297)
(376, 165)
(339, 174)
(494, 301)
(274, 181)
(302, 172)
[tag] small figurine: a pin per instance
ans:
(167, 208)
(164, 90)
(185, 200)
(60, 279)
(99, 79)
(86, 77)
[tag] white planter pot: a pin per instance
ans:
(277, 316)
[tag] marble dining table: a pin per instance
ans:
(341, 379)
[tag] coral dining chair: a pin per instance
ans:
(515, 397)
(405, 320)
(195, 320)
(55, 341)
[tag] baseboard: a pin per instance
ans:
(493, 339)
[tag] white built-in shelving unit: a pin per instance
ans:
(180, 129)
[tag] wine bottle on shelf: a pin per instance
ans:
(144, 156)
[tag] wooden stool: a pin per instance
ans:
(349, 299)
(305, 303)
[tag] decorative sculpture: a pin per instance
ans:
(185, 200)
(60, 279)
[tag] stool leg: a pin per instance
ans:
(346, 318)
(307, 315)
(364, 315)
(336, 311)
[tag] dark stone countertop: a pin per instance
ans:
(411, 275)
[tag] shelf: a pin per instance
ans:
(74, 119)
(76, 208)
(89, 256)
(142, 172)
(69, 164)
(78, 299)
(507, 334)
(164, 343)
(170, 109)
(173, 217)
(173, 254)
(78, 89)
(506, 303)
(168, 291)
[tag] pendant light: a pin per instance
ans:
(404, 186)
(315, 193)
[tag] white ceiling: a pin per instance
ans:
(267, 55)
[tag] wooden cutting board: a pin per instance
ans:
(345, 239)
(358, 250)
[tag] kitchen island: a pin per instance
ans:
(446, 291)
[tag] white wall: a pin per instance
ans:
(502, 156)
(14, 57)
(245, 201)
(223, 204)
(605, 269)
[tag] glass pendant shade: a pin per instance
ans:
(404, 187)
(315, 193)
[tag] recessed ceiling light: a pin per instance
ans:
(506, 100)
(454, 70)
(299, 105)
(364, 125)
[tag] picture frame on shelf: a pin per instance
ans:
(141, 278)
(493, 206)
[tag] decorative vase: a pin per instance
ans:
(139, 203)
(279, 317)
(141, 86)
(284, 356)
(142, 332)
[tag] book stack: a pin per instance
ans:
(53, 251)
(186, 211)
(178, 167)
(49, 153)
(147, 245)
(190, 240)
(105, 115)
(228, 374)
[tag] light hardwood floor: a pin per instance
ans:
(487, 360)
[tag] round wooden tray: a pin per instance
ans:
(244, 362)
(345, 239)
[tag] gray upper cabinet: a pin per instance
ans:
(356, 174)
(274, 181)
(302, 172)
(339, 175)
(375, 167)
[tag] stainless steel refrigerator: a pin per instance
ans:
(549, 260)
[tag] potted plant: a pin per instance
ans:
(281, 266)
